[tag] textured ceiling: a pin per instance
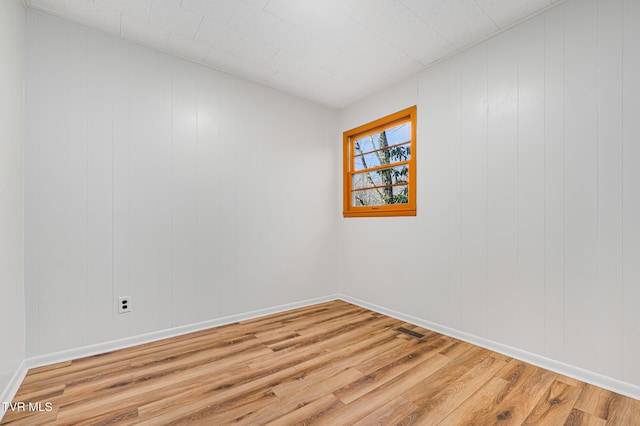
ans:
(330, 51)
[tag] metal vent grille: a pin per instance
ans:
(411, 333)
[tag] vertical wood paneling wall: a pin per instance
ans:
(198, 194)
(629, 287)
(528, 225)
(12, 77)
(204, 196)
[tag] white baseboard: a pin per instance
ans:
(100, 348)
(12, 387)
(587, 376)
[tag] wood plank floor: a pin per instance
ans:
(331, 364)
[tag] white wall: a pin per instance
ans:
(528, 225)
(198, 194)
(12, 313)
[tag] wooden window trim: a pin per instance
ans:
(407, 209)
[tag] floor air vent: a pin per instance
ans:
(410, 333)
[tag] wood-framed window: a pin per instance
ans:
(380, 167)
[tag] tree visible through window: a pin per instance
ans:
(379, 167)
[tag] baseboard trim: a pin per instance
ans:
(101, 348)
(559, 367)
(578, 373)
(12, 387)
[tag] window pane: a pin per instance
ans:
(365, 144)
(382, 177)
(386, 156)
(399, 134)
(390, 136)
(381, 196)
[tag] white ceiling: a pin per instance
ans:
(330, 51)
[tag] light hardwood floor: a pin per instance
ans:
(333, 363)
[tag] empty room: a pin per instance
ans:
(329, 212)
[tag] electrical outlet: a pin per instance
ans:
(124, 304)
